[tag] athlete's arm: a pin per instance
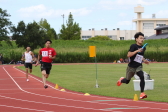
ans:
(130, 54)
(23, 57)
(54, 53)
(33, 58)
(38, 59)
(52, 57)
(145, 61)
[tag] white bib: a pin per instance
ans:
(138, 58)
(44, 53)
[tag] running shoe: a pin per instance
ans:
(119, 81)
(143, 95)
(45, 86)
(27, 80)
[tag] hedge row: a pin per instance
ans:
(76, 57)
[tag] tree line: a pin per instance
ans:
(33, 33)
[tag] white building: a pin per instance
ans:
(144, 25)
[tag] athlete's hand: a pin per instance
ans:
(36, 63)
(146, 62)
(139, 50)
(50, 57)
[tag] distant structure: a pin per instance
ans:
(144, 25)
(147, 25)
(161, 33)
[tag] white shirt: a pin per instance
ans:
(28, 57)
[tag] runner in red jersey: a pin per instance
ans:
(47, 54)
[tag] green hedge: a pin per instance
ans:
(75, 57)
(76, 51)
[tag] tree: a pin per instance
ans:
(5, 23)
(28, 35)
(50, 32)
(71, 31)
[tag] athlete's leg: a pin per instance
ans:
(129, 74)
(142, 81)
(26, 66)
(26, 73)
(30, 70)
(125, 81)
(47, 75)
(48, 69)
(30, 67)
(142, 84)
(44, 76)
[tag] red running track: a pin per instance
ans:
(17, 95)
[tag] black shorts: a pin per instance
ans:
(28, 65)
(46, 66)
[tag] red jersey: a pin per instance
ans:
(46, 52)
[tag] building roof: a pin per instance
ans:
(150, 19)
(162, 27)
(160, 36)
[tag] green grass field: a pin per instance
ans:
(82, 78)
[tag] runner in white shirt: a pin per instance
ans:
(28, 56)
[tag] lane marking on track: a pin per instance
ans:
(48, 96)
(70, 99)
(18, 89)
(94, 96)
(25, 108)
(105, 100)
(69, 91)
(120, 108)
(79, 94)
(9, 78)
(47, 103)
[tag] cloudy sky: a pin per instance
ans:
(98, 14)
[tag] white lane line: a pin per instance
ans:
(45, 95)
(69, 91)
(18, 89)
(45, 103)
(73, 99)
(68, 99)
(95, 96)
(25, 108)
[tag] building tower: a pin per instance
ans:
(139, 9)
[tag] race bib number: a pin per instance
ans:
(44, 53)
(138, 58)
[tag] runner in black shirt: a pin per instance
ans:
(136, 54)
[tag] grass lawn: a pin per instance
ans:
(82, 78)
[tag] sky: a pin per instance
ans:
(97, 14)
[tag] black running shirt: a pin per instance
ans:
(136, 60)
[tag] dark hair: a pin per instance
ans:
(138, 34)
(49, 41)
(26, 47)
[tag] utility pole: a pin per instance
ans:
(63, 18)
